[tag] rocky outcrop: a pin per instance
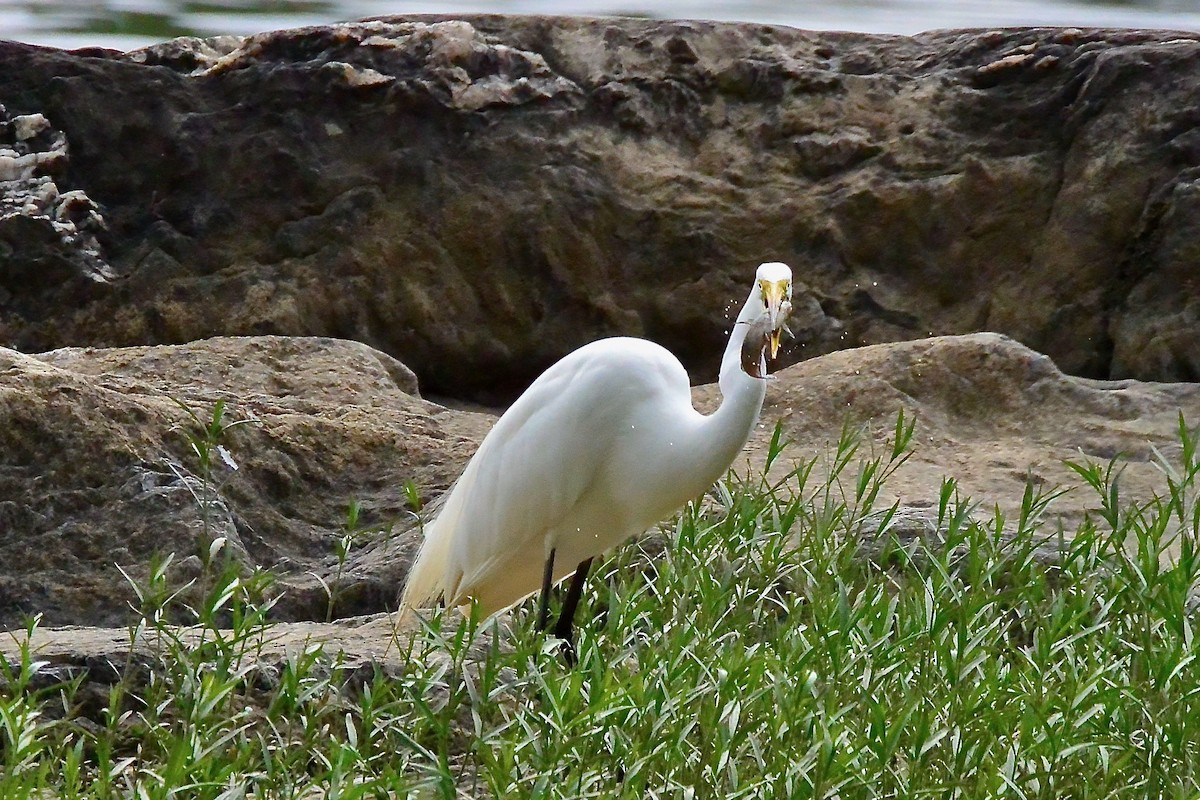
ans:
(110, 457)
(477, 197)
(105, 460)
(990, 413)
(47, 236)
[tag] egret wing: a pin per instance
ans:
(529, 473)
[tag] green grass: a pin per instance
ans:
(787, 640)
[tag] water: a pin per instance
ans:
(125, 24)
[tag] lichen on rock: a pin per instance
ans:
(47, 236)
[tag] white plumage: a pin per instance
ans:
(602, 445)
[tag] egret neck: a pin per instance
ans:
(722, 434)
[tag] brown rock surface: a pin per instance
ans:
(477, 197)
(95, 469)
(990, 413)
(107, 652)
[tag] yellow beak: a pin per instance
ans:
(775, 296)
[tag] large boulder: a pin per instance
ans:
(100, 450)
(990, 413)
(479, 196)
(105, 462)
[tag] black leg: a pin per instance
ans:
(566, 617)
(547, 580)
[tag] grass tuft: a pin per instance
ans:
(794, 638)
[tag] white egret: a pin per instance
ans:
(601, 446)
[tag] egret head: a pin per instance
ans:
(774, 283)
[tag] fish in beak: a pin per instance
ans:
(774, 342)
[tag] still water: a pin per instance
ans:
(126, 24)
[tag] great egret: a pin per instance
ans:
(599, 448)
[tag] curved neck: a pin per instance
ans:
(732, 374)
(726, 430)
(703, 447)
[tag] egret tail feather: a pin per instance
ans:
(426, 581)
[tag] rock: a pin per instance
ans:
(355, 649)
(98, 469)
(478, 196)
(990, 413)
(97, 466)
(107, 654)
(48, 238)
